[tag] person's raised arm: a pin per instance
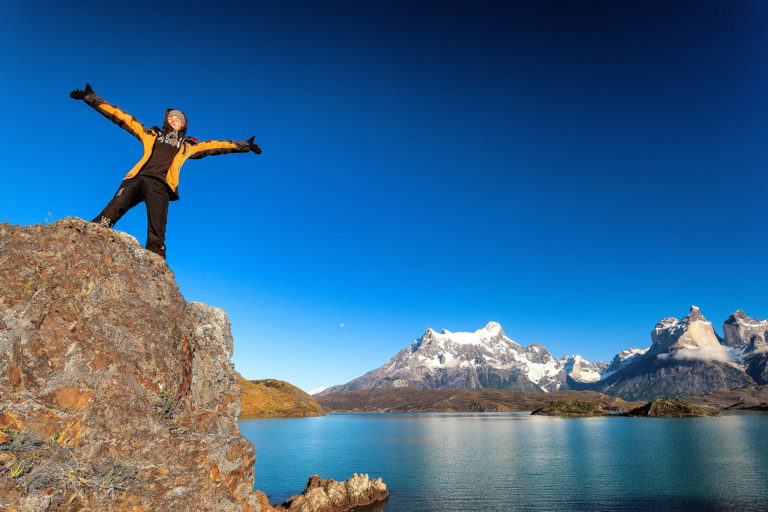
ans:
(221, 147)
(121, 118)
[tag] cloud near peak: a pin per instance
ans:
(707, 353)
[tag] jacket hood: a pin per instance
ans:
(167, 127)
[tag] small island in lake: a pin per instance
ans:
(661, 408)
(571, 408)
(665, 408)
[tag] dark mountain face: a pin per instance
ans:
(688, 358)
(512, 381)
(757, 367)
(651, 377)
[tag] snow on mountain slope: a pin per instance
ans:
(470, 360)
(622, 360)
(581, 370)
(686, 356)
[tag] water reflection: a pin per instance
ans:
(500, 462)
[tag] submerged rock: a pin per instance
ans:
(115, 393)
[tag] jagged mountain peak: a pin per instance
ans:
(692, 331)
(490, 334)
(694, 315)
(493, 327)
(740, 330)
(666, 323)
(740, 317)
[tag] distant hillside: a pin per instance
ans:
(270, 398)
(402, 400)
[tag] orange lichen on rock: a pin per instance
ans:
(110, 379)
(70, 397)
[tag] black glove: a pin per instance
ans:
(254, 147)
(77, 94)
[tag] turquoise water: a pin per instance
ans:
(511, 461)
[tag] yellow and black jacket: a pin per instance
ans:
(188, 147)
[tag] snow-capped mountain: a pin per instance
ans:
(686, 357)
(475, 360)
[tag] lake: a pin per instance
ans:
(514, 461)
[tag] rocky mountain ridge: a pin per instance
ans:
(115, 392)
(686, 357)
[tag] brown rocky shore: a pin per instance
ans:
(409, 400)
(116, 394)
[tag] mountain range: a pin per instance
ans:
(686, 357)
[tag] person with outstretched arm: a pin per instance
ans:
(155, 178)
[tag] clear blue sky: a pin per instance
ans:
(573, 170)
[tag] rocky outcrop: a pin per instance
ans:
(271, 398)
(331, 496)
(664, 408)
(115, 393)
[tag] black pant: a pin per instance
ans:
(154, 193)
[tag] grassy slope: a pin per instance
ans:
(271, 398)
